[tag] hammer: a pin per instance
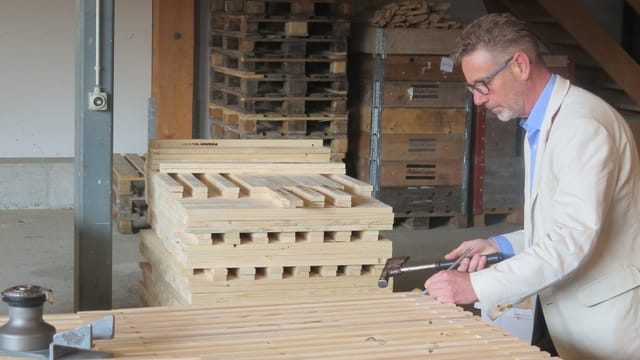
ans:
(393, 266)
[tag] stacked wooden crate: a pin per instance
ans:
(410, 122)
(127, 197)
(498, 161)
(240, 220)
(279, 70)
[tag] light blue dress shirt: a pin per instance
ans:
(532, 126)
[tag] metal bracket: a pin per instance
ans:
(377, 96)
(73, 344)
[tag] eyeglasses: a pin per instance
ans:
(482, 86)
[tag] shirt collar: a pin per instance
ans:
(534, 121)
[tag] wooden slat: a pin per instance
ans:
(137, 161)
(172, 67)
(222, 185)
(235, 143)
(195, 166)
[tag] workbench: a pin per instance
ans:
(382, 326)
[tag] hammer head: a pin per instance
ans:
(391, 268)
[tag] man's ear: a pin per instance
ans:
(522, 62)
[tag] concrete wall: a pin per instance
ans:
(36, 183)
(37, 48)
(37, 95)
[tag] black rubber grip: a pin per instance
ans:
(491, 259)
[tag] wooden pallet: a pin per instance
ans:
(278, 86)
(510, 215)
(131, 223)
(341, 326)
(316, 125)
(127, 197)
(280, 26)
(422, 199)
(430, 220)
(284, 8)
(128, 173)
(326, 64)
(287, 105)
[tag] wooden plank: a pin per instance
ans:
(416, 147)
(221, 185)
(251, 168)
(352, 184)
(172, 67)
(244, 143)
(124, 174)
(237, 150)
(193, 186)
(137, 161)
(418, 94)
(413, 173)
(409, 68)
(413, 120)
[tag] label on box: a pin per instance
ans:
(446, 64)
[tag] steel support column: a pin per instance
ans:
(93, 155)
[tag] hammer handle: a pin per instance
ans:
(445, 264)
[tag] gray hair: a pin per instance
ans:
(500, 34)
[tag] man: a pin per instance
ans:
(579, 250)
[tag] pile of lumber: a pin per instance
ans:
(242, 220)
(127, 197)
(358, 326)
(418, 14)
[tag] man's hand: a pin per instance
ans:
(476, 260)
(451, 286)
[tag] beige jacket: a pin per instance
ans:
(582, 218)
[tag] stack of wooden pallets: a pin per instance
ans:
(412, 106)
(279, 70)
(127, 197)
(238, 220)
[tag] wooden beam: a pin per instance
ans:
(598, 43)
(635, 4)
(172, 67)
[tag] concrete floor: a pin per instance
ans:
(36, 247)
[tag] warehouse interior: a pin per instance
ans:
(76, 212)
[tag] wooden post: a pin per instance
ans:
(172, 67)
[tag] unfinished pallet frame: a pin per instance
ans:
(352, 326)
(254, 230)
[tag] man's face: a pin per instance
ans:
(493, 84)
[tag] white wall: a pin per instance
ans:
(37, 71)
